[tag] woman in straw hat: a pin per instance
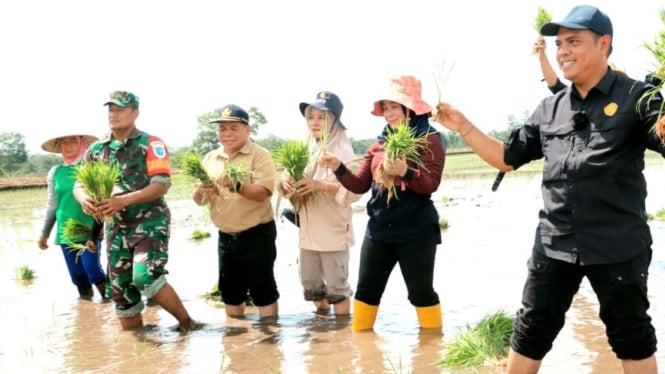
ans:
(85, 269)
(405, 228)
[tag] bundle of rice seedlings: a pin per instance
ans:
(192, 167)
(293, 156)
(402, 142)
(485, 344)
(237, 173)
(657, 49)
(542, 17)
(98, 178)
(74, 231)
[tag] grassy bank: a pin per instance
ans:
(469, 165)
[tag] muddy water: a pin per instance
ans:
(480, 268)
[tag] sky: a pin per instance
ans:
(61, 59)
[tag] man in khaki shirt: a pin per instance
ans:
(243, 214)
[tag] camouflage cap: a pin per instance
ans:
(123, 99)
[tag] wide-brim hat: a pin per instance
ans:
(406, 90)
(326, 100)
(51, 145)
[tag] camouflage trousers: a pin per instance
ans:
(137, 257)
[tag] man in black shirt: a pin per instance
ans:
(593, 136)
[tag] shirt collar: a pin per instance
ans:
(244, 150)
(605, 84)
(108, 137)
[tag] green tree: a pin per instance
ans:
(271, 143)
(360, 146)
(176, 154)
(206, 139)
(39, 164)
(513, 123)
(453, 140)
(256, 119)
(13, 152)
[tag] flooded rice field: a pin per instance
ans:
(480, 268)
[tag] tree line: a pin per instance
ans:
(15, 159)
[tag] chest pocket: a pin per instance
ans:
(558, 139)
(559, 142)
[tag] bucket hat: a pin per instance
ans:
(406, 90)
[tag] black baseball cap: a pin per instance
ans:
(582, 17)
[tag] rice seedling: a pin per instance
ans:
(214, 295)
(443, 223)
(237, 173)
(397, 369)
(199, 235)
(293, 156)
(401, 142)
(143, 348)
(657, 49)
(192, 167)
(324, 136)
(484, 344)
(223, 363)
(25, 273)
(441, 76)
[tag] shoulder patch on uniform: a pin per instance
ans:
(157, 157)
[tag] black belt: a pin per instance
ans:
(251, 230)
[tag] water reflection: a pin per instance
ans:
(480, 268)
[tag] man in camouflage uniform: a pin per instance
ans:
(137, 233)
